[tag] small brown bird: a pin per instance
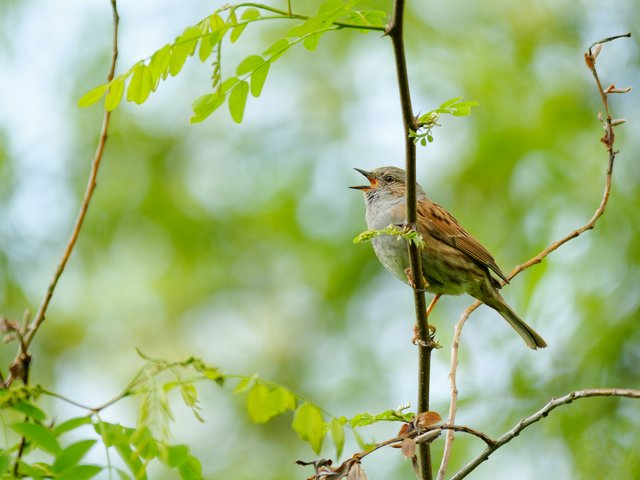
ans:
(453, 262)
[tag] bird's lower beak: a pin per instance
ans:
(370, 177)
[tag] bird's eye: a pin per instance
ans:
(389, 178)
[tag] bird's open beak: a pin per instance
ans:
(373, 181)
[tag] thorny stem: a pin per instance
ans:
(608, 140)
(395, 32)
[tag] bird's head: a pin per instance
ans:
(385, 181)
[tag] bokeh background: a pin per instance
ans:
(233, 242)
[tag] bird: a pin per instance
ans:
(453, 262)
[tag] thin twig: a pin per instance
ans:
(22, 360)
(453, 404)
(289, 14)
(91, 185)
(457, 428)
(395, 32)
(420, 437)
(608, 140)
(539, 415)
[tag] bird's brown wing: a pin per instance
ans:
(440, 224)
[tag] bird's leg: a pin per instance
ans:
(432, 328)
(412, 284)
(433, 304)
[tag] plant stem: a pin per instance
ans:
(91, 185)
(395, 32)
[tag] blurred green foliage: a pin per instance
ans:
(233, 243)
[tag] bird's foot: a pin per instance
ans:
(431, 342)
(412, 283)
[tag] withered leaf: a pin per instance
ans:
(427, 419)
(409, 447)
(357, 473)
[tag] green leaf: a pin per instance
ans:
(81, 472)
(122, 474)
(264, 404)
(377, 18)
(205, 105)
(276, 50)
(71, 455)
(449, 102)
(184, 46)
(364, 419)
(114, 96)
(174, 456)
(360, 441)
(30, 410)
(228, 84)
(159, 64)
(112, 434)
(250, 14)
(5, 463)
(145, 445)
(136, 467)
(244, 384)
(336, 427)
(38, 435)
(308, 424)
(258, 77)
(71, 424)
(191, 469)
(189, 394)
(92, 96)
(311, 42)
(393, 230)
(216, 22)
(37, 471)
(249, 64)
(206, 46)
(238, 100)
(236, 32)
(462, 111)
(140, 84)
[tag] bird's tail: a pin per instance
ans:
(528, 334)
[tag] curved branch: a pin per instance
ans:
(91, 185)
(539, 415)
(608, 140)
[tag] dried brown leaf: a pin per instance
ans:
(404, 429)
(426, 420)
(357, 473)
(409, 447)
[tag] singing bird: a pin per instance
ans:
(453, 262)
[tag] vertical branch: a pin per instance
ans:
(91, 185)
(395, 32)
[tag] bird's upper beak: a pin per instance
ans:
(372, 180)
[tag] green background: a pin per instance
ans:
(233, 242)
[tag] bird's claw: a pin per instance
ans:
(412, 284)
(431, 342)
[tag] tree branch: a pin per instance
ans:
(608, 140)
(539, 415)
(289, 14)
(44, 305)
(395, 32)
